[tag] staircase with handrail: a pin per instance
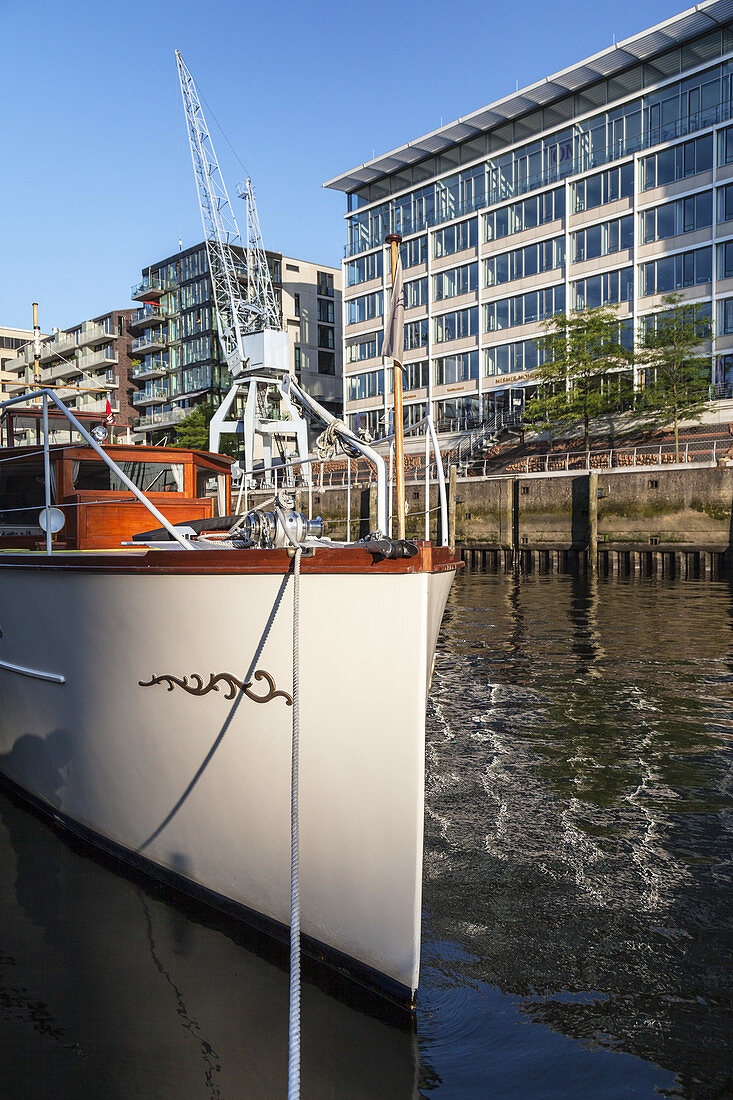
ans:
(487, 435)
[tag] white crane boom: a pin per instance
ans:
(253, 340)
(238, 313)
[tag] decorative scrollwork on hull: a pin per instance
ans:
(194, 685)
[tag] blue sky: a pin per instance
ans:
(96, 172)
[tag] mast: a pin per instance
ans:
(394, 326)
(36, 349)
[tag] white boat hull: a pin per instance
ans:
(198, 784)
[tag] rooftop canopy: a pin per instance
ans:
(641, 47)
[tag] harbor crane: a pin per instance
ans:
(255, 346)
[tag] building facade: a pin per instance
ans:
(87, 365)
(608, 183)
(12, 341)
(177, 359)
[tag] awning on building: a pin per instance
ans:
(680, 28)
(188, 396)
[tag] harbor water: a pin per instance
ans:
(577, 931)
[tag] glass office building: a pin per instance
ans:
(610, 182)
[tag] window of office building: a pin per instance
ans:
(326, 362)
(364, 308)
(537, 305)
(416, 293)
(297, 359)
(455, 238)
(455, 281)
(604, 187)
(524, 262)
(457, 325)
(359, 387)
(603, 239)
(725, 146)
(527, 214)
(325, 310)
(725, 260)
(367, 422)
(415, 376)
(368, 348)
(457, 412)
(413, 252)
(416, 334)
(604, 289)
(414, 413)
(364, 269)
(674, 272)
(681, 216)
(725, 203)
(677, 162)
(325, 336)
(510, 358)
(699, 312)
(455, 368)
(725, 316)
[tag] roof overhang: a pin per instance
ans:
(675, 31)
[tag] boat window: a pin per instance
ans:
(206, 482)
(154, 477)
(21, 492)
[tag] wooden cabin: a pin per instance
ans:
(99, 512)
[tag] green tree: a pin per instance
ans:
(677, 376)
(193, 431)
(580, 377)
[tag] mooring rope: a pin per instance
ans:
(294, 1011)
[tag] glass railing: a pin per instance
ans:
(150, 339)
(146, 314)
(161, 419)
(148, 397)
(683, 127)
(152, 366)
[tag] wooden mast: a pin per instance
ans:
(399, 434)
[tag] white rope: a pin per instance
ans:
(294, 1014)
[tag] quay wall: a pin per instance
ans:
(675, 522)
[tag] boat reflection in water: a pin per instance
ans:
(109, 990)
(578, 841)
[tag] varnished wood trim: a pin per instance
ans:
(429, 559)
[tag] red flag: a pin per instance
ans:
(109, 416)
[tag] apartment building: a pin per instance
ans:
(86, 365)
(12, 340)
(610, 182)
(177, 360)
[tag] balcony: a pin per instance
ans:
(63, 343)
(149, 342)
(156, 368)
(148, 315)
(150, 287)
(93, 360)
(97, 406)
(154, 396)
(160, 420)
(93, 333)
(64, 369)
